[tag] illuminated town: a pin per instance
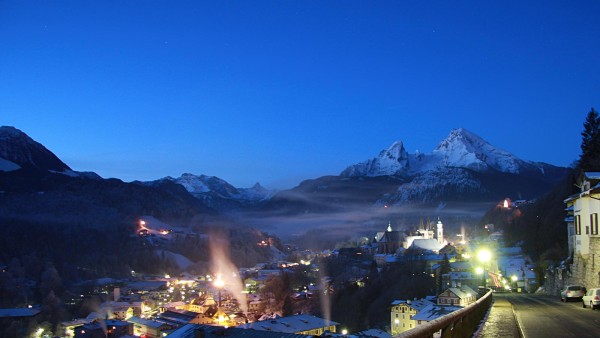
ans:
(299, 169)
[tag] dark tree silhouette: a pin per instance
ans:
(590, 143)
(288, 308)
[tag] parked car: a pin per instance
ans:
(571, 292)
(591, 298)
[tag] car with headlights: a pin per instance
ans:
(571, 292)
(591, 299)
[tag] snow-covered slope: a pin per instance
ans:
(219, 194)
(461, 149)
(464, 149)
(391, 161)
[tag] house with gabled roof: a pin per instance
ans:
(150, 328)
(583, 231)
(457, 296)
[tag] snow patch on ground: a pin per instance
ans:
(6, 165)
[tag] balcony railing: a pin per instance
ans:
(460, 323)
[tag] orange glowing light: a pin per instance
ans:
(219, 282)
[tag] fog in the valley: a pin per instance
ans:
(322, 229)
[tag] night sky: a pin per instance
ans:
(280, 91)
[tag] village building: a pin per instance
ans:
(402, 313)
(583, 265)
(457, 296)
(195, 331)
(389, 241)
(298, 324)
(427, 237)
(20, 317)
(433, 312)
(105, 328)
(149, 328)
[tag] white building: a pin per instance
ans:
(583, 231)
(427, 234)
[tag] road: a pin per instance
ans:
(546, 316)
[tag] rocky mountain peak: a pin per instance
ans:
(391, 161)
(461, 149)
(18, 148)
(464, 149)
(463, 138)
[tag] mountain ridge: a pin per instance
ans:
(18, 150)
(462, 149)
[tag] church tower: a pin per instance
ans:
(440, 231)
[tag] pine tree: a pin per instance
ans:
(590, 143)
(444, 269)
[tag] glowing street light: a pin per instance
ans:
(484, 257)
(219, 283)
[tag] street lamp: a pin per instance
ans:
(484, 257)
(514, 279)
(219, 283)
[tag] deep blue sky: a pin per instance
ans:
(280, 91)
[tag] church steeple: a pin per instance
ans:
(440, 231)
(389, 228)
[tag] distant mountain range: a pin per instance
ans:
(78, 219)
(219, 194)
(462, 168)
(35, 185)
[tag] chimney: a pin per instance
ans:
(117, 294)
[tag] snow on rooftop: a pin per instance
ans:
(592, 175)
(430, 244)
(433, 312)
(415, 304)
(290, 324)
(19, 312)
(373, 333)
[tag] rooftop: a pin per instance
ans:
(291, 324)
(433, 312)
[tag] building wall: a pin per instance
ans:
(583, 271)
(584, 240)
(319, 331)
(401, 318)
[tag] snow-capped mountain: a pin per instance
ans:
(218, 193)
(462, 168)
(17, 150)
(391, 161)
(461, 149)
